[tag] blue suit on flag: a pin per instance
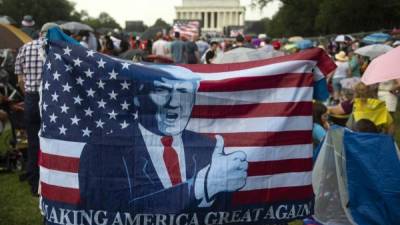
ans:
(116, 177)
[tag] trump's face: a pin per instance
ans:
(167, 106)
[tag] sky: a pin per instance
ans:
(150, 10)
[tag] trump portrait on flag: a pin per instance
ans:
(165, 168)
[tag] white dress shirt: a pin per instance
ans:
(156, 149)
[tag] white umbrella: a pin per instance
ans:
(245, 55)
(344, 38)
(373, 51)
(7, 20)
(295, 39)
(76, 27)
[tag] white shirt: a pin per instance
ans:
(160, 47)
(156, 150)
(341, 70)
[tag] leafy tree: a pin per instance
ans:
(260, 3)
(42, 10)
(258, 27)
(295, 17)
(341, 16)
(103, 21)
(161, 23)
(313, 17)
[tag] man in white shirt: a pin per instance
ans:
(167, 169)
(160, 46)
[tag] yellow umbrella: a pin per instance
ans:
(12, 37)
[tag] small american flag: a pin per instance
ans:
(263, 108)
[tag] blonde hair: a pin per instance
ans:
(363, 92)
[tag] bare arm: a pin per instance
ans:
(336, 109)
(21, 82)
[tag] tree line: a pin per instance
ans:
(52, 11)
(321, 17)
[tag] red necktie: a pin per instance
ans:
(171, 161)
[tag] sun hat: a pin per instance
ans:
(28, 21)
(341, 56)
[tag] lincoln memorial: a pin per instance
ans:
(215, 14)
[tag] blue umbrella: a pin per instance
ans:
(376, 38)
(304, 44)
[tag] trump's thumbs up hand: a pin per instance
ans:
(228, 172)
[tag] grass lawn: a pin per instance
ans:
(18, 207)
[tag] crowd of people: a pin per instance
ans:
(353, 104)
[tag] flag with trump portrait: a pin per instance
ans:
(139, 143)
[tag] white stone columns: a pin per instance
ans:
(242, 19)
(212, 19)
(206, 19)
(220, 16)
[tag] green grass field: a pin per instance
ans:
(18, 207)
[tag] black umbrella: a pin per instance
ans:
(136, 54)
(150, 33)
(104, 30)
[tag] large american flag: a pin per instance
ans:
(187, 28)
(263, 108)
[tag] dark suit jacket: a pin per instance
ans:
(119, 177)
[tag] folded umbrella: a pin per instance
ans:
(383, 68)
(373, 51)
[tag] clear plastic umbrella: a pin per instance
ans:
(373, 51)
(76, 27)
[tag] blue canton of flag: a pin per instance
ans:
(85, 94)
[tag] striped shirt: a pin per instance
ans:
(29, 63)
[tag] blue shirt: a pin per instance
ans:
(318, 133)
(177, 51)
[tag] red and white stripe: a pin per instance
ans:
(59, 166)
(264, 109)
